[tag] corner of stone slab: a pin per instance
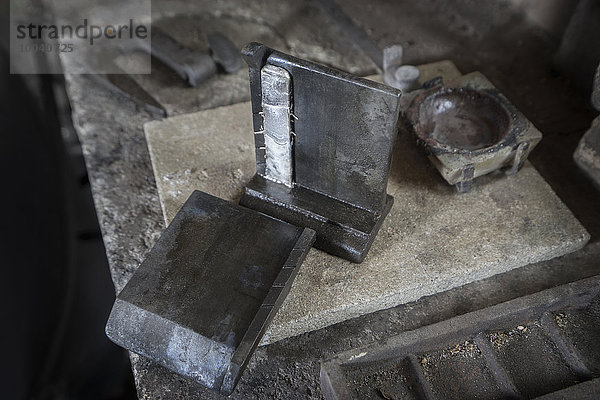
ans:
(148, 126)
(586, 236)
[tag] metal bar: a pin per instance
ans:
(353, 31)
(275, 85)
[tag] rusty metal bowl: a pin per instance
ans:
(460, 119)
(469, 129)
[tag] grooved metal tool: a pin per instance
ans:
(202, 299)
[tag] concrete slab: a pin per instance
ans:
(432, 240)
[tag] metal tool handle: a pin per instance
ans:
(194, 67)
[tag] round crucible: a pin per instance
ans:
(461, 120)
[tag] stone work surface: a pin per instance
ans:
(494, 40)
(295, 27)
(110, 130)
(433, 239)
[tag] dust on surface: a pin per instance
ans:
(459, 371)
(381, 381)
(502, 338)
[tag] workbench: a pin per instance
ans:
(111, 133)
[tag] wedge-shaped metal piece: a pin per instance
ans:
(203, 298)
(342, 130)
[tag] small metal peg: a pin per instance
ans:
(403, 77)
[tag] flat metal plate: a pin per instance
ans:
(345, 130)
(345, 127)
(202, 299)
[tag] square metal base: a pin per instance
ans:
(201, 301)
(342, 229)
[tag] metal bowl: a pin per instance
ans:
(461, 119)
(469, 129)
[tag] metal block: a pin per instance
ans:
(277, 131)
(341, 131)
(202, 299)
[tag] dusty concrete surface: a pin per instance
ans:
(489, 37)
(550, 15)
(432, 240)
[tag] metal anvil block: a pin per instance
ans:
(202, 299)
(324, 141)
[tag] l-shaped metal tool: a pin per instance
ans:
(324, 141)
(204, 296)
